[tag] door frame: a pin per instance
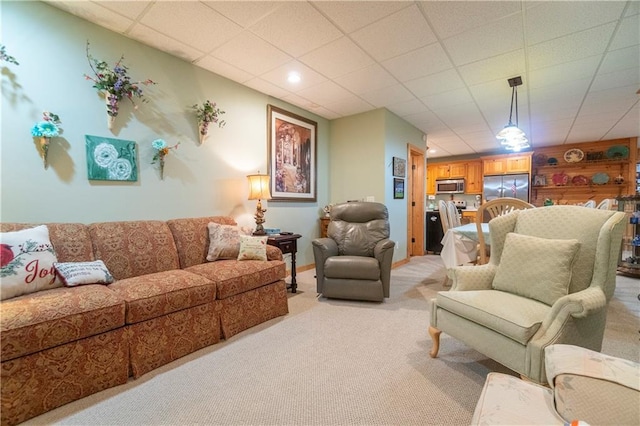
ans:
(416, 200)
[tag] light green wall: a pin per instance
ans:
(200, 180)
(361, 164)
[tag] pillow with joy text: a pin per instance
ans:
(26, 260)
(253, 248)
(224, 241)
(536, 268)
(79, 273)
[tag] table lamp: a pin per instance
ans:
(259, 190)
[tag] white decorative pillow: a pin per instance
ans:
(253, 248)
(78, 273)
(27, 258)
(224, 241)
(537, 268)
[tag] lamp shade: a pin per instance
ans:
(259, 187)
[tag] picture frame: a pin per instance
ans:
(398, 188)
(291, 145)
(539, 180)
(399, 166)
(111, 159)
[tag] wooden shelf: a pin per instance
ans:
(578, 187)
(581, 164)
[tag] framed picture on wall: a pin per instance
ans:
(292, 155)
(111, 159)
(398, 188)
(399, 166)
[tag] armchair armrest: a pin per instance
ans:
(472, 277)
(323, 248)
(580, 304)
(383, 252)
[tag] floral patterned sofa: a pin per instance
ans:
(62, 344)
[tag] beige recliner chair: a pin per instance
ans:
(354, 261)
(550, 277)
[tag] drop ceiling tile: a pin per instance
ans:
(383, 40)
(460, 115)
(557, 19)
(351, 106)
(621, 59)
(386, 95)
(325, 92)
(628, 77)
(403, 109)
(337, 58)
(485, 42)
(570, 48)
(423, 61)
(129, 9)
(452, 17)
(267, 88)
(325, 113)
(366, 79)
(435, 83)
(628, 126)
(299, 101)
(426, 120)
(553, 111)
(500, 67)
(615, 99)
(279, 75)
(560, 74)
(578, 134)
(628, 33)
(485, 138)
(186, 21)
(353, 15)
(447, 99)
(245, 13)
(250, 53)
(297, 29)
(224, 69)
(572, 91)
(460, 148)
(161, 42)
(469, 129)
(95, 13)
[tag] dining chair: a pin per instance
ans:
(444, 216)
(494, 208)
(590, 204)
(454, 215)
(605, 204)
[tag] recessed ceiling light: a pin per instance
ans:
(294, 77)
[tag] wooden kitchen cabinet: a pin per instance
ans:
(431, 180)
(506, 164)
(450, 170)
(473, 178)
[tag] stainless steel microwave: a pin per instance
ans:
(450, 186)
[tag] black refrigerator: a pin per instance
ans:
(434, 232)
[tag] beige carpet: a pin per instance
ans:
(328, 362)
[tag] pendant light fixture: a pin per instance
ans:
(511, 137)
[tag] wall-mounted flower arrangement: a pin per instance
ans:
(161, 150)
(45, 130)
(207, 113)
(4, 56)
(115, 83)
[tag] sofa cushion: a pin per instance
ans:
(537, 268)
(71, 241)
(81, 273)
(513, 316)
(131, 249)
(153, 295)
(225, 240)
(49, 318)
(26, 260)
(233, 277)
(191, 237)
(352, 267)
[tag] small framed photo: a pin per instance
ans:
(399, 166)
(398, 188)
(539, 180)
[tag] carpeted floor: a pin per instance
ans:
(328, 362)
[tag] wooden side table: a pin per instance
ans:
(287, 244)
(324, 224)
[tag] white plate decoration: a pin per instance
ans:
(573, 155)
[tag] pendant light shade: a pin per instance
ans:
(511, 137)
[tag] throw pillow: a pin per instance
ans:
(26, 260)
(253, 248)
(537, 268)
(224, 241)
(78, 273)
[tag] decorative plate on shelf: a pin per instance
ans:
(560, 179)
(552, 161)
(618, 152)
(580, 180)
(540, 159)
(600, 178)
(573, 155)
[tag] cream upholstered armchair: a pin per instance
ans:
(549, 279)
(354, 261)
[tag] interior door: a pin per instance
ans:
(416, 200)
